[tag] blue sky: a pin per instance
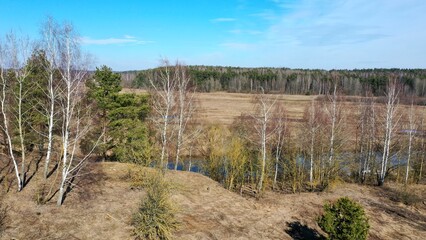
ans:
(326, 34)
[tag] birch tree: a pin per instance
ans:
(333, 112)
(412, 129)
(19, 51)
(4, 65)
(185, 109)
(422, 152)
(367, 136)
(280, 135)
(50, 44)
(310, 129)
(263, 115)
(73, 72)
(162, 90)
(389, 124)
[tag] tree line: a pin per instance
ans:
(292, 81)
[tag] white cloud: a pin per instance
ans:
(223, 20)
(127, 39)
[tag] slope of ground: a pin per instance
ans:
(102, 205)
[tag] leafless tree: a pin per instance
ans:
(280, 135)
(412, 129)
(185, 104)
(390, 122)
(367, 135)
(4, 66)
(50, 44)
(422, 150)
(19, 52)
(312, 124)
(162, 92)
(73, 70)
(334, 111)
(264, 106)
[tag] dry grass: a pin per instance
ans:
(102, 209)
(223, 107)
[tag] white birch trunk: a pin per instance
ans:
(413, 128)
(50, 38)
(5, 126)
(391, 105)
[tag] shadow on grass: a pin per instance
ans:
(298, 231)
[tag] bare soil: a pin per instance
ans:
(102, 205)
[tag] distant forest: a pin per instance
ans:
(292, 81)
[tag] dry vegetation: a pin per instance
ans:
(223, 107)
(102, 209)
(102, 204)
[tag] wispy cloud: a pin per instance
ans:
(330, 23)
(238, 45)
(217, 20)
(242, 31)
(126, 39)
(267, 14)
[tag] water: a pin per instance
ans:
(195, 165)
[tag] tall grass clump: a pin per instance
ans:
(156, 216)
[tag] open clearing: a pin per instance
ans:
(223, 108)
(102, 206)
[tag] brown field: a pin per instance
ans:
(223, 107)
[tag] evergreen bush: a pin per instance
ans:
(155, 218)
(344, 219)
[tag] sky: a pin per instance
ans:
(315, 34)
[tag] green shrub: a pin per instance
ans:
(155, 218)
(345, 219)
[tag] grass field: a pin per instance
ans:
(223, 107)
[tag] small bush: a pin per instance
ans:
(40, 196)
(345, 219)
(155, 218)
(404, 196)
(140, 177)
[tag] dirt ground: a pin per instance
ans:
(102, 204)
